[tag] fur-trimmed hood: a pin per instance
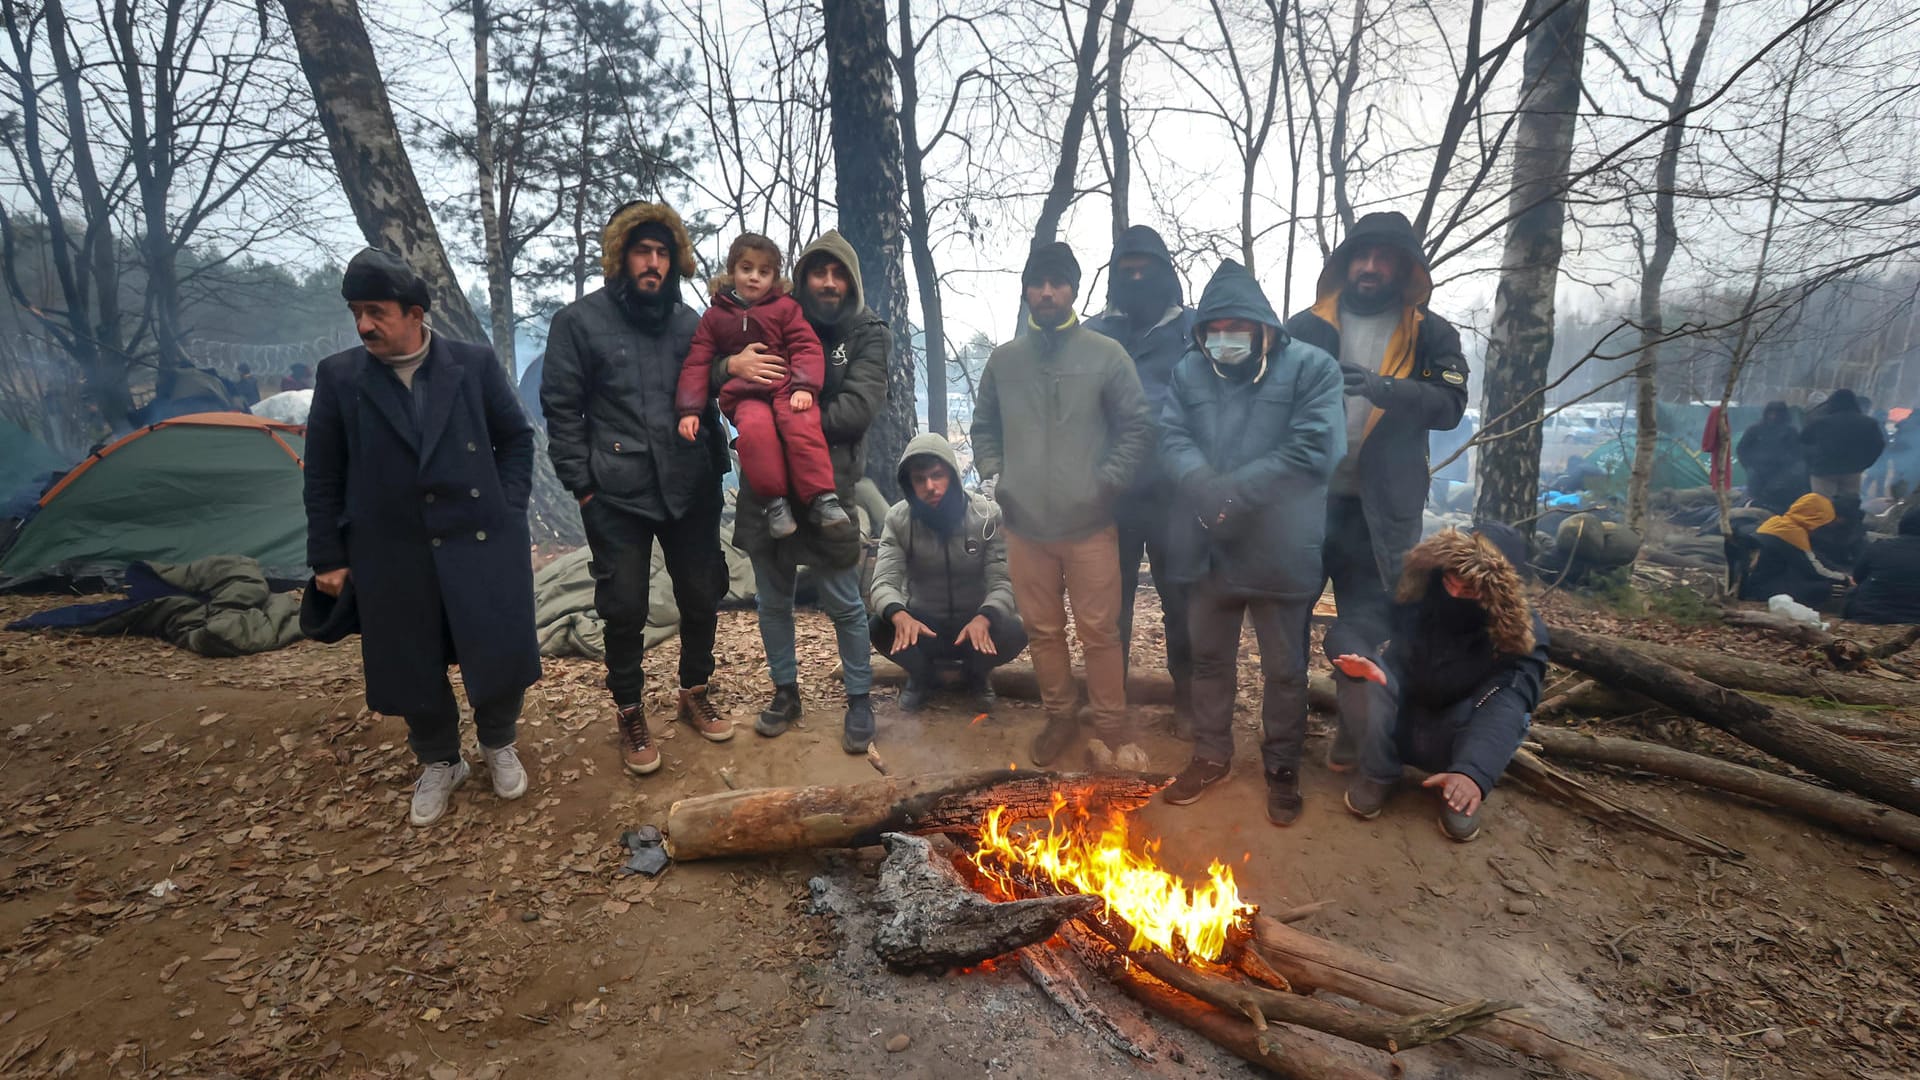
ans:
(1478, 561)
(613, 238)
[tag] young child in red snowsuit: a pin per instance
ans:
(783, 452)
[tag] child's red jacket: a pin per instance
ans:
(730, 326)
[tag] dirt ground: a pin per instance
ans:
(205, 871)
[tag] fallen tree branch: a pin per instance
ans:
(1055, 979)
(1846, 813)
(1549, 782)
(1263, 1006)
(1840, 761)
(1735, 673)
(768, 821)
(1311, 961)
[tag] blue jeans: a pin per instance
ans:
(773, 584)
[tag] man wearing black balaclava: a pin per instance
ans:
(613, 361)
(1146, 315)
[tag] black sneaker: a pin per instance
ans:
(856, 732)
(1283, 797)
(781, 712)
(1195, 779)
(980, 694)
(913, 696)
(829, 516)
(780, 519)
(1054, 739)
(1367, 797)
(1461, 828)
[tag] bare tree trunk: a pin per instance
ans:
(1121, 182)
(1342, 107)
(868, 187)
(1060, 193)
(499, 274)
(1666, 239)
(920, 225)
(372, 162)
(1521, 342)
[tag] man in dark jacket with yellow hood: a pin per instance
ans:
(1252, 427)
(1405, 376)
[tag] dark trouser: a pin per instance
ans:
(1280, 627)
(1475, 736)
(622, 546)
(1364, 607)
(435, 736)
(926, 654)
(1148, 532)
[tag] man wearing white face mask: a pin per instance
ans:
(1252, 429)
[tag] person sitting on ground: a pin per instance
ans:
(1455, 688)
(1783, 560)
(782, 448)
(940, 583)
(1889, 577)
(1578, 474)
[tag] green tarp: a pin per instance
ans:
(177, 493)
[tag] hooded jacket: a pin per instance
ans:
(730, 325)
(1840, 439)
(942, 579)
(1487, 657)
(608, 389)
(856, 344)
(1060, 419)
(1267, 444)
(1889, 577)
(1770, 452)
(1429, 388)
(1783, 560)
(1156, 346)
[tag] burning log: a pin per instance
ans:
(1829, 756)
(1053, 975)
(769, 821)
(1263, 1006)
(940, 923)
(1310, 961)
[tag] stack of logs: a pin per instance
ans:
(1252, 1002)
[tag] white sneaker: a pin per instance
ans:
(434, 789)
(509, 776)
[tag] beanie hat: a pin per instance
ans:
(381, 275)
(1054, 261)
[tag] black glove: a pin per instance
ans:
(1374, 387)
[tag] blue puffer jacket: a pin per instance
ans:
(1267, 439)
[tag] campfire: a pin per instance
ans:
(1040, 870)
(1071, 856)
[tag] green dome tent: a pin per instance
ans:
(172, 492)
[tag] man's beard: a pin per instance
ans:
(819, 310)
(647, 311)
(1380, 299)
(1051, 319)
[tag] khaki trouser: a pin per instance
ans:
(1086, 573)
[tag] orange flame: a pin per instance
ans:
(1071, 857)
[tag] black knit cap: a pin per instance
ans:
(381, 275)
(1053, 261)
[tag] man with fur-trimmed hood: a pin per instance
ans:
(1454, 690)
(613, 361)
(1405, 376)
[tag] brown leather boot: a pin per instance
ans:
(697, 712)
(636, 742)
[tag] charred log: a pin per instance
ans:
(937, 922)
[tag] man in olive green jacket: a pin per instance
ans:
(1059, 428)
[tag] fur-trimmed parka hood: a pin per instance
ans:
(613, 238)
(1477, 561)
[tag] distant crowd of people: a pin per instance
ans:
(1814, 479)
